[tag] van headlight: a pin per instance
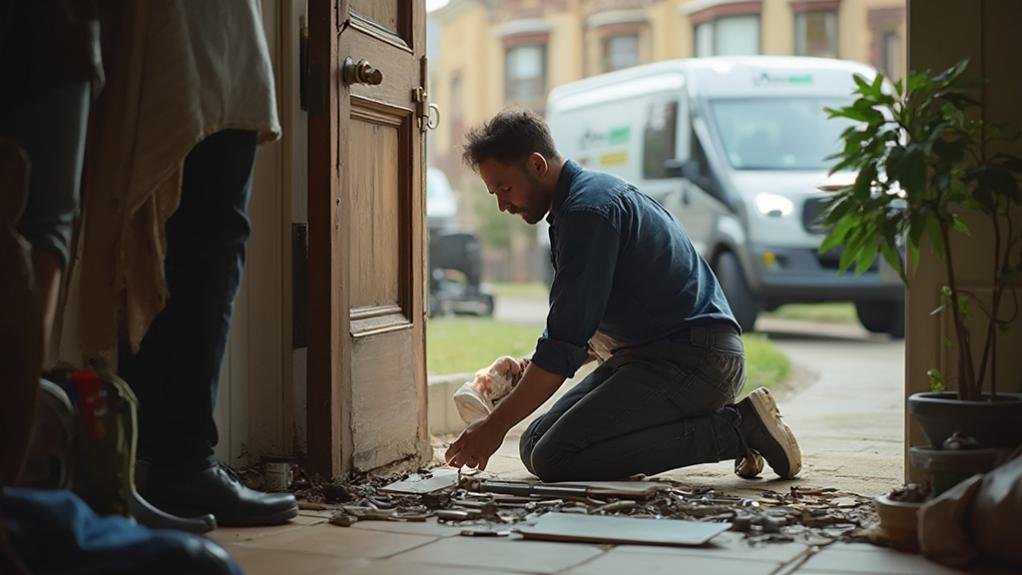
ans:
(774, 205)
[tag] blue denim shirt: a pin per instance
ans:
(623, 265)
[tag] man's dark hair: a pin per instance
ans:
(510, 137)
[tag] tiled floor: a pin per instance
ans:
(311, 546)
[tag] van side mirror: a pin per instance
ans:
(678, 168)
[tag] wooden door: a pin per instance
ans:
(366, 373)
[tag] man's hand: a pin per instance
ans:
(475, 445)
(482, 439)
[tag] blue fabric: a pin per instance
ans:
(56, 532)
(623, 265)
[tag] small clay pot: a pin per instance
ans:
(899, 521)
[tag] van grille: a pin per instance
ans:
(832, 261)
(812, 215)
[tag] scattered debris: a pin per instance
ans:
(336, 493)
(483, 507)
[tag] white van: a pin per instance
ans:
(735, 148)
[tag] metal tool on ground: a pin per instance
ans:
(639, 490)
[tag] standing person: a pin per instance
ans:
(626, 273)
(190, 95)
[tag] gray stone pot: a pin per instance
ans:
(992, 423)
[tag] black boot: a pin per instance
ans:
(217, 490)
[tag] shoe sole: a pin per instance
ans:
(470, 407)
(766, 409)
(275, 518)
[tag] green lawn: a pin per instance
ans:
(461, 345)
(825, 312)
(465, 344)
(765, 365)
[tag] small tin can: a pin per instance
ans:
(277, 474)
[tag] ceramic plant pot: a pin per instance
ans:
(993, 424)
(899, 521)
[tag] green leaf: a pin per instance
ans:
(948, 344)
(964, 306)
(893, 258)
(837, 235)
(959, 225)
(936, 239)
(936, 380)
(866, 257)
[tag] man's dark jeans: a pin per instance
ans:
(176, 372)
(647, 409)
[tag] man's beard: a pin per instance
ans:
(534, 212)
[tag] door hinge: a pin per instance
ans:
(428, 114)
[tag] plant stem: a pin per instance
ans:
(991, 337)
(966, 373)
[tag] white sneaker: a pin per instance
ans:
(472, 405)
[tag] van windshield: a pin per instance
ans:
(778, 133)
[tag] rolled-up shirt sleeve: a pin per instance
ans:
(586, 252)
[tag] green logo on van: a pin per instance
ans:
(614, 137)
(766, 79)
(618, 136)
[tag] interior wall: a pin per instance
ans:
(254, 411)
(940, 33)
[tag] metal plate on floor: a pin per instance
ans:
(419, 484)
(605, 529)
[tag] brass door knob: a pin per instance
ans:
(361, 73)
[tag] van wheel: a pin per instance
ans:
(744, 304)
(882, 317)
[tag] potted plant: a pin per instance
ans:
(922, 153)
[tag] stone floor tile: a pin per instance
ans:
(256, 561)
(880, 560)
(504, 555)
(730, 545)
(430, 527)
(238, 534)
(391, 567)
(617, 561)
(341, 542)
(843, 546)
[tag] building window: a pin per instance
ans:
(658, 139)
(457, 108)
(816, 34)
(620, 52)
(728, 36)
(892, 55)
(887, 43)
(525, 73)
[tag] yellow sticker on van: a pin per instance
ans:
(614, 159)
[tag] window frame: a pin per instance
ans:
(835, 41)
(543, 78)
